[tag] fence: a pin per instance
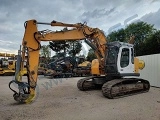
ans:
(151, 71)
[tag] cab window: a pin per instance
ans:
(124, 62)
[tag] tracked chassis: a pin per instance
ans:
(115, 88)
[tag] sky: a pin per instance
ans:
(107, 15)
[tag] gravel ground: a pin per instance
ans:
(59, 99)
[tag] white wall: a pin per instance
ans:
(151, 71)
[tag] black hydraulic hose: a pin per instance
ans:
(10, 86)
(39, 45)
(25, 24)
(20, 84)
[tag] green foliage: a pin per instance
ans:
(117, 35)
(91, 55)
(66, 47)
(58, 46)
(146, 37)
(141, 31)
(45, 53)
(75, 48)
(152, 44)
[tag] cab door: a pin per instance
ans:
(126, 61)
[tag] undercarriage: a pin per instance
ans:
(114, 88)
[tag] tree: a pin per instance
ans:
(152, 44)
(141, 30)
(45, 53)
(68, 47)
(58, 46)
(117, 35)
(91, 55)
(75, 48)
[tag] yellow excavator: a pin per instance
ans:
(83, 69)
(112, 70)
(7, 64)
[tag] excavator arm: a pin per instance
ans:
(31, 45)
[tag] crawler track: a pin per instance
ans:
(124, 87)
(85, 84)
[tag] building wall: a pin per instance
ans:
(151, 71)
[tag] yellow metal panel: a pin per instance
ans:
(95, 67)
(136, 65)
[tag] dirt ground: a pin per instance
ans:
(59, 99)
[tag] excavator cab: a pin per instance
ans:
(120, 60)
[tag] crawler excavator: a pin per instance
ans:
(68, 67)
(62, 67)
(113, 69)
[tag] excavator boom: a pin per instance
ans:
(31, 45)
